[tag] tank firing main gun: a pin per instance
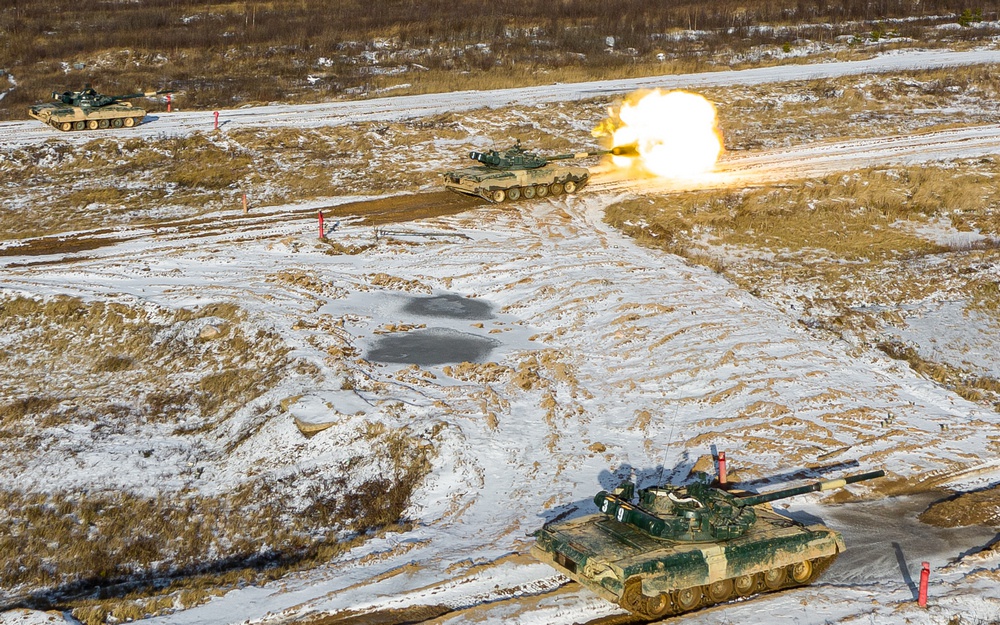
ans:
(517, 157)
(515, 173)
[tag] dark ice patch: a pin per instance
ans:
(449, 305)
(433, 346)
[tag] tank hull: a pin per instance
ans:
(501, 185)
(654, 577)
(67, 118)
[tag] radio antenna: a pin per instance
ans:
(670, 439)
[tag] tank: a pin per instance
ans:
(90, 110)
(667, 549)
(516, 173)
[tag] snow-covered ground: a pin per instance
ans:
(13, 134)
(607, 355)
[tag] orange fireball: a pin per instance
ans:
(675, 133)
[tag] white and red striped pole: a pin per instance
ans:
(322, 233)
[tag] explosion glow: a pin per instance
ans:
(676, 133)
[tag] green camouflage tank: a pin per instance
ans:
(516, 173)
(90, 110)
(674, 549)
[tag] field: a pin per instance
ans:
(196, 430)
(221, 55)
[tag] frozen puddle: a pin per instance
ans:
(438, 329)
(451, 306)
(433, 346)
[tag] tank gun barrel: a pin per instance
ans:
(141, 94)
(494, 158)
(90, 98)
(753, 500)
(622, 150)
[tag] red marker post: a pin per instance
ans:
(168, 102)
(322, 233)
(216, 113)
(925, 574)
(722, 470)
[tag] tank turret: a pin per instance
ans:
(517, 157)
(89, 98)
(669, 549)
(699, 512)
(90, 110)
(516, 173)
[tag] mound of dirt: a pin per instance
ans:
(981, 507)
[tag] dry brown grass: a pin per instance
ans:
(973, 508)
(819, 246)
(854, 216)
(793, 224)
(761, 116)
(866, 215)
(219, 55)
(207, 172)
(147, 555)
(204, 173)
(983, 389)
(71, 340)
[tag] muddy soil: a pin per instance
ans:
(390, 210)
(402, 208)
(886, 539)
(981, 507)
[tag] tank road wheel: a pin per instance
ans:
(65, 126)
(514, 194)
(657, 606)
(632, 598)
(116, 123)
(79, 125)
(542, 190)
(129, 122)
(687, 598)
(745, 585)
(529, 192)
(774, 578)
(555, 188)
(569, 186)
(720, 591)
(642, 605)
(801, 572)
(498, 196)
(92, 124)
(103, 123)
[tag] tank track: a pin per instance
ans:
(684, 600)
(512, 194)
(96, 124)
